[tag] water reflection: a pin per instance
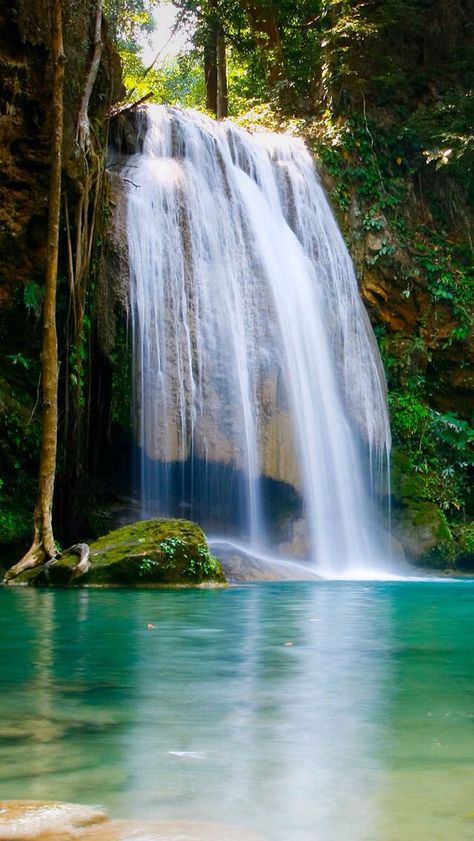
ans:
(252, 708)
(303, 711)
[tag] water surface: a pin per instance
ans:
(307, 711)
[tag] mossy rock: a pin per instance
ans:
(464, 536)
(147, 553)
(423, 531)
(407, 485)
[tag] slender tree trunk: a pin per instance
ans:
(210, 70)
(222, 97)
(43, 546)
(83, 125)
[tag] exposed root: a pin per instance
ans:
(84, 564)
(37, 557)
(34, 557)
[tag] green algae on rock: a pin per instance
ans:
(423, 531)
(146, 553)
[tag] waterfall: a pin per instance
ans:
(258, 385)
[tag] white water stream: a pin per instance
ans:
(254, 356)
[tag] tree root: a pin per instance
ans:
(83, 565)
(36, 557)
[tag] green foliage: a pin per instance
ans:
(204, 565)
(199, 564)
(33, 295)
(127, 19)
(465, 540)
(434, 453)
(146, 567)
(170, 547)
(77, 359)
(363, 164)
(442, 554)
(374, 165)
(121, 359)
(15, 521)
(19, 359)
(443, 129)
(180, 81)
(449, 270)
(407, 64)
(20, 428)
(175, 82)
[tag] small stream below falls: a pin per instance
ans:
(306, 712)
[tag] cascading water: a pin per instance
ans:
(254, 358)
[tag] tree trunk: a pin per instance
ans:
(83, 125)
(264, 26)
(43, 546)
(222, 98)
(210, 70)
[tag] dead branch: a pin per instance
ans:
(121, 109)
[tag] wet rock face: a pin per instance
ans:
(422, 529)
(219, 435)
(23, 140)
(240, 565)
(25, 78)
(408, 310)
(398, 299)
(113, 278)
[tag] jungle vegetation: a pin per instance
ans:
(383, 93)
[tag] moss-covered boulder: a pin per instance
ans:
(150, 552)
(464, 536)
(423, 531)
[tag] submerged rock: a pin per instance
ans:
(31, 820)
(36, 820)
(240, 566)
(149, 552)
(168, 831)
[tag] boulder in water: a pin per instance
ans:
(37, 820)
(423, 531)
(158, 552)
